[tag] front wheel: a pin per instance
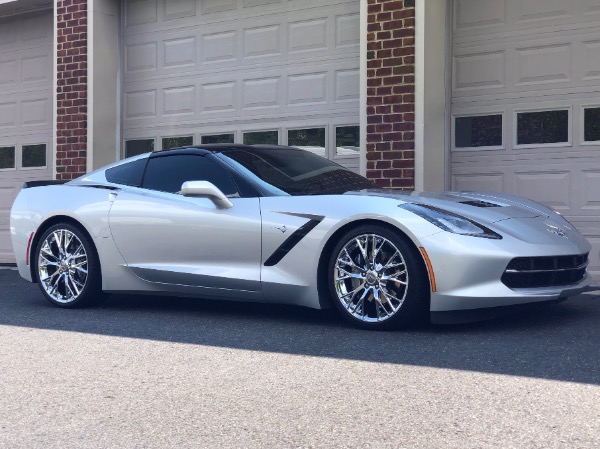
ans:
(67, 267)
(377, 279)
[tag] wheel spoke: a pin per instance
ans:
(47, 251)
(394, 278)
(48, 263)
(390, 262)
(353, 292)
(71, 282)
(363, 250)
(361, 301)
(377, 249)
(57, 241)
(68, 290)
(349, 275)
(66, 242)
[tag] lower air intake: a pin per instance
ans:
(537, 272)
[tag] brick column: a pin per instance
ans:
(391, 93)
(71, 120)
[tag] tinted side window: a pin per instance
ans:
(168, 173)
(129, 174)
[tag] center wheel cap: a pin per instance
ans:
(371, 277)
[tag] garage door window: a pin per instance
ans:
(478, 131)
(591, 125)
(347, 140)
(138, 146)
(33, 156)
(176, 142)
(311, 139)
(261, 137)
(7, 158)
(543, 127)
(218, 138)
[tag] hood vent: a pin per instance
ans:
(479, 203)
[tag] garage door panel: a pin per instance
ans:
(542, 10)
(483, 70)
(510, 16)
(209, 96)
(479, 182)
(552, 188)
(590, 190)
(26, 44)
(590, 60)
(544, 64)
(174, 9)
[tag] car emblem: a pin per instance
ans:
(556, 230)
(282, 228)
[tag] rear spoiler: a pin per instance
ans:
(29, 184)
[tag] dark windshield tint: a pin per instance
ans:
(129, 174)
(168, 173)
(299, 172)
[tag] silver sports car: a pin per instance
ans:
(282, 225)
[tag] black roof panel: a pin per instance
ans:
(220, 147)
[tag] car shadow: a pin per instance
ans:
(559, 342)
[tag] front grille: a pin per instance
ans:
(535, 272)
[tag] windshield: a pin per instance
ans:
(298, 172)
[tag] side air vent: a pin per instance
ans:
(479, 203)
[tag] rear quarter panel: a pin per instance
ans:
(34, 206)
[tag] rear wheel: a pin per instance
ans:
(377, 279)
(67, 267)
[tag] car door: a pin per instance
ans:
(188, 242)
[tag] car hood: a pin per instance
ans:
(482, 207)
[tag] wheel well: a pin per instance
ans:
(322, 287)
(43, 227)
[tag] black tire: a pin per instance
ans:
(67, 267)
(392, 298)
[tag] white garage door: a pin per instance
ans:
(244, 71)
(26, 43)
(526, 104)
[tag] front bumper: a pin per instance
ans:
(468, 271)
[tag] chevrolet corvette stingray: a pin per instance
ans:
(283, 225)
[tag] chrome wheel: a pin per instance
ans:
(62, 266)
(370, 278)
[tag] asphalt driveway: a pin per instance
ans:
(154, 372)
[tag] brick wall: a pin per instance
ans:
(391, 93)
(71, 121)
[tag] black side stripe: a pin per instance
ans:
(292, 241)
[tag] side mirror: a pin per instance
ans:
(205, 189)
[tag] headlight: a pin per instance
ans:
(451, 222)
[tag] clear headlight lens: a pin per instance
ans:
(451, 222)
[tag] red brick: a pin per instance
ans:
(393, 5)
(71, 120)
